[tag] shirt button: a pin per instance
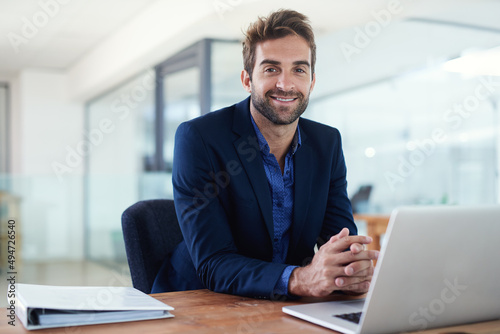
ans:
(279, 204)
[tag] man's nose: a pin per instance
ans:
(285, 82)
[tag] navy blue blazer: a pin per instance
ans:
(224, 208)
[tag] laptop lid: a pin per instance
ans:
(439, 267)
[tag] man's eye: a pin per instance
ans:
(270, 70)
(300, 70)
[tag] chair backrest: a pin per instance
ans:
(151, 231)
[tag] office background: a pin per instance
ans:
(91, 93)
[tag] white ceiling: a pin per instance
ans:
(72, 29)
(65, 32)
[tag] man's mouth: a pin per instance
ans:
(282, 99)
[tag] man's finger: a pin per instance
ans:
(338, 244)
(342, 234)
(348, 257)
(360, 268)
(357, 248)
(353, 283)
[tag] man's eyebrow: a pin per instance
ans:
(275, 62)
(270, 62)
(302, 62)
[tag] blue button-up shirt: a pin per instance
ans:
(281, 187)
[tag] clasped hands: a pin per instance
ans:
(332, 268)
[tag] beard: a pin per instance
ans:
(279, 115)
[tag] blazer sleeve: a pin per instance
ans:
(338, 211)
(206, 227)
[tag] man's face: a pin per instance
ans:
(281, 79)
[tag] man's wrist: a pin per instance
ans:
(295, 287)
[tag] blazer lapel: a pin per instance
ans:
(247, 148)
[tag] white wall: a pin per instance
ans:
(45, 122)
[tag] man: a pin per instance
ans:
(256, 186)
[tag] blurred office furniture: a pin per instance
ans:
(151, 231)
(9, 220)
(376, 225)
(359, 200)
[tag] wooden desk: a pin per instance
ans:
(203, 311)
(376, 225)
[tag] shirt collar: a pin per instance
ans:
(264, 146)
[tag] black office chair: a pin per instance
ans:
(151, 231)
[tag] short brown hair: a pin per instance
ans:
(277, 25)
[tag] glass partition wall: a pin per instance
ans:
(417, 149)
(138, 120)
(120, 122)
(418, 110)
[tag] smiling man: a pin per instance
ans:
(256, 186)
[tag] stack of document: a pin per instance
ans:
(44, 306)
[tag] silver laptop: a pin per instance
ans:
(439, 266)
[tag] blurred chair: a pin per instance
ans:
(151, 231)
(360, 200)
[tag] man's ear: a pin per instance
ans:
(313, 81)
(245, 81)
